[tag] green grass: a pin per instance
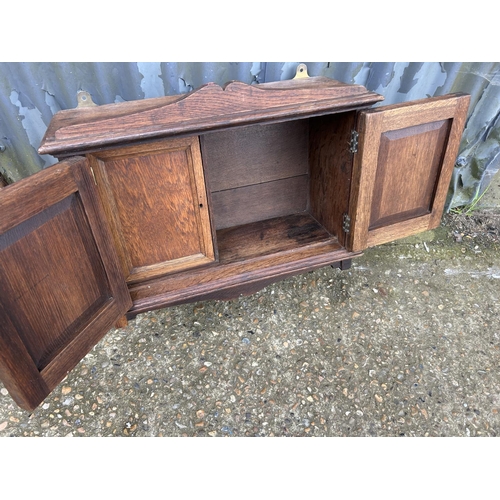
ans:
(470, 207)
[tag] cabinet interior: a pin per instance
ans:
(279, 186)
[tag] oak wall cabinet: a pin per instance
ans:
(207, 195)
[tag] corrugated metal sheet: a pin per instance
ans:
(30, 93)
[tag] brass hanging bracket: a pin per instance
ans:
(301, 72)
(84, 99)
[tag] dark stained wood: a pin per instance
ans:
(231, 292)
(202, 283)
(269, 237)
(255, 154)
(122, 322)
(209, 108)
(248, 204)
(257, 172)
(61, 288)
(403, 168)
(56, 185)
(31, 287)
(235, 291)
(157, 206)
(331, 170)
(405, 164)
(17, 371)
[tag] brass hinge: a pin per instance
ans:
(346, 223)
(353, 144)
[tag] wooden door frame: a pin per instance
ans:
(371, 125)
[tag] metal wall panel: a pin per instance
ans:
(30, 93)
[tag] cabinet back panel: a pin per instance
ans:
(247, 204)
(255, 154)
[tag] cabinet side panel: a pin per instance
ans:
(331, 170)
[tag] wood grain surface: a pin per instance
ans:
(60, 285)
(255, 154)
(244, 205)
(331, 170)
(403, 168)
(156, 203)
(211, 107)
(269, 236)
(207, 195)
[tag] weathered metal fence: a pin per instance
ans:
(30, 93)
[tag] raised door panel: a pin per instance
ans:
(403, 168)
(156, 203)
(61, 287)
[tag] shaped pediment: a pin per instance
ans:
(210, 107)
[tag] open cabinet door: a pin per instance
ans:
(402, 170)
(61, 287)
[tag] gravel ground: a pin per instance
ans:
(405, 343)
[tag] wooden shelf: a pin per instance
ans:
(273, 236)
(250, 257)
